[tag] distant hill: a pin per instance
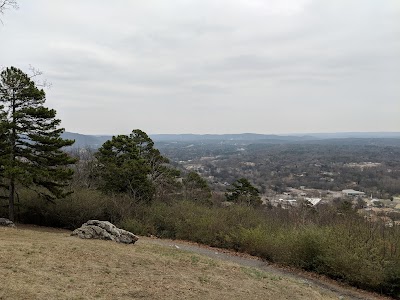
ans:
(95, 141)
(347, 138)
(365, 135)
(226, 137)
(86, 141)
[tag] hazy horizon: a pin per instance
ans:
(217, 67)
(261, 133)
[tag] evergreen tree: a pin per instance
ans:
(122, 170)
(131, 164)
(4, 150)
(242, 191)
(196, 187)
(31, 147)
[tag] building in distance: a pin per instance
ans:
(351, 192)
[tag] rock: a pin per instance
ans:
(6, 222)
(104, 230)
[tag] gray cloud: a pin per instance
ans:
(263, 66)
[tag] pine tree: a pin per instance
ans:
(31, 147)
(131, 164)
(242, 191)
(196, 187)
(122, 170)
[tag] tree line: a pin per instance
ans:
(33, 156)
(274, 167)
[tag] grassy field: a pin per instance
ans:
(45, 263)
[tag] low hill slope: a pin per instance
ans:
(45, 263)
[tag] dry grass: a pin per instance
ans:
(39, 263)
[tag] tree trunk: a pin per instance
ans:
(12, 183)
(13, 139)
(11, 201)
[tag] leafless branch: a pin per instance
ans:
(7, 4)
(35, 73)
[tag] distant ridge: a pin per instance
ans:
(226, 137)
(341, 135)
(348, 138)
(86, 141)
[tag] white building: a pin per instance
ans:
(351, 192)
(314, 201)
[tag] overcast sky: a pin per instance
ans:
(212, 66)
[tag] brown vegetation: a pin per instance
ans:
(336, 242)
(42, 263)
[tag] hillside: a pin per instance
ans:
(44, 263)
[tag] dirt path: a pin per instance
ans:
(342, 291)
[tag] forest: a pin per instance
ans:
(327, 164)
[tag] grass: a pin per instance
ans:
(255, 273)
(342, 246)
(45, 263)
(333, 241)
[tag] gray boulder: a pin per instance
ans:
(104, 230)
(6, 222)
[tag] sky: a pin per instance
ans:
(212, 66)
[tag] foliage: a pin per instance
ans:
(70, 212)
(84, 168)
(131, 164)
(31, 152)
(196, 187)
(349, 249)
(342, 246)
(332, 165)
(242, 191)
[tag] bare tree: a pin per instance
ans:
(35, 74)
(7, 4)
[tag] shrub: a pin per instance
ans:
(68, 213)
(307, 247)
(344, 247)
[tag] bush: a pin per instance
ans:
(308, 247)
(135, 226)
(68, 213)
(344, 247)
